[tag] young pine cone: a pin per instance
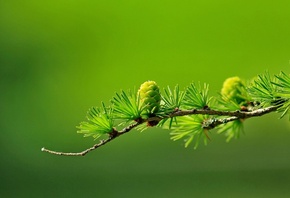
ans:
(150, 97)
(234, 90)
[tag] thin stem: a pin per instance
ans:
(234, 115)
(239, 114)
(101, 143)
(212, 123)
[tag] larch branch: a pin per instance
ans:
(233, 115)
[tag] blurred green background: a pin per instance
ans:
(59, 58)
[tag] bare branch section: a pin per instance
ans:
(233, 115)
(101, 143)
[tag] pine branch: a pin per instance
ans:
(234, 115)
(189, 113)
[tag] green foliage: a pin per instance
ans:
(190, 114)
(127, 106)
(275, 91)
(232, 129)
(196, 96)
(99, 122)
(171, 102)
(264, 90)
(190, 128)
(283, 85)
(227, 105)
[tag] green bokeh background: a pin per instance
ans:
(59, 58)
